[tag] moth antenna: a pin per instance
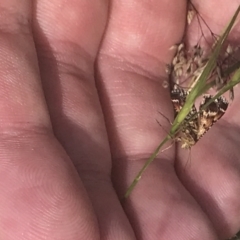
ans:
(165, 118)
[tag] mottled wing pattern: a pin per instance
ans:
(178, 97)
(196, 124)
(211, 114)
(188, 134)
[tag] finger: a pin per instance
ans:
(131, 69)
(213, 176)
(210, 20)
(40, 193)
(66, 54)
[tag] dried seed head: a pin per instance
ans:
(173, 47)
(165, 84)
(168, 69)
(191, 12)
(229, 50)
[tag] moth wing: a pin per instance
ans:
(211, 114)
(178, 97)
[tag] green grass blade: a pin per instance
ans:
(200, 88)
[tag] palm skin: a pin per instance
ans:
(79, 97)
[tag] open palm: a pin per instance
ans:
(81, 87)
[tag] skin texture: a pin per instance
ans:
(80, 90)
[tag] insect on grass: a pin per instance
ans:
(186, 68)
(202, 78)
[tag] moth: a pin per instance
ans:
(197, 123)
(185, 71)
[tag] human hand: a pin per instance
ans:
(81, 88)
